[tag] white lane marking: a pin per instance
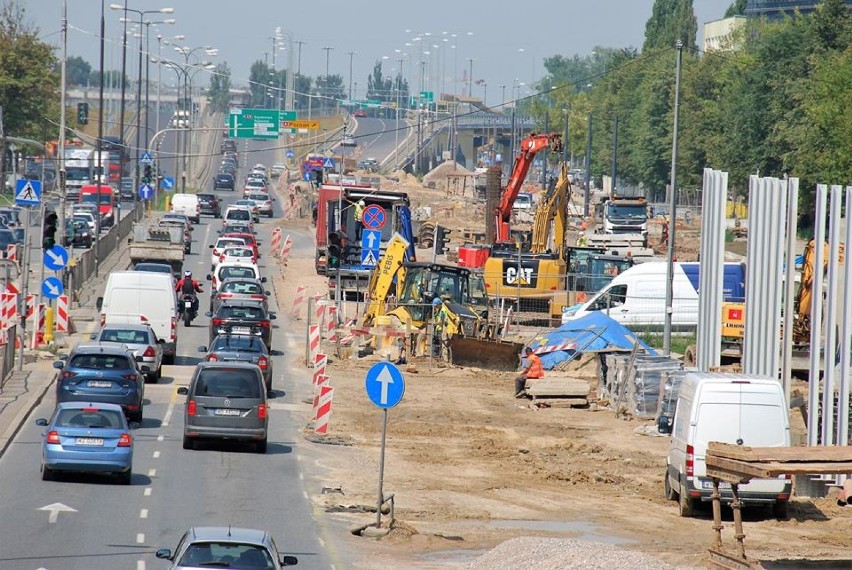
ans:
(168, 415)
(54, 509)
(161, 438)
(156, 454)
(305, 493)
(140, 538)
(140, 565)
(143, 514)
(301, 476)
(152, 472)
(147, 492)
(298, 457)
(291, 341)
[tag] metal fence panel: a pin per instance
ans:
(710, 292)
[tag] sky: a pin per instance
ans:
(506, 43)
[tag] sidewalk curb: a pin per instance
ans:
(26, 404)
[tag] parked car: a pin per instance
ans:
(226, 547)
(103, 373)
(86, 437)
(226, 400)
(210, 205)
(231, 347)
(141, 339)
(242, 317)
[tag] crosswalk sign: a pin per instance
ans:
(369, 257)
(28, 193)
(328, 163)
(145, 158)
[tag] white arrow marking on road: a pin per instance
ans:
(385, 378)
(371, 240)
(57, 259)
(54, 290)
(54, 510)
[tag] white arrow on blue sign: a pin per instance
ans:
(146, 192)
(52, 287)
(55, 258)
(371, 239)
(385, 385)
(168, 183)
(290, 153)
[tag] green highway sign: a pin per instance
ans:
(254, 124)
(428, 95)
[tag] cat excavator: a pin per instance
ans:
(405, 291)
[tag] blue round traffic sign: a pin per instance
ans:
(55, 258)
(290, 153)
(385, 385)
(373, 217)
(52, 287)
(146, 192)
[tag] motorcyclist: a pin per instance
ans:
(189, 286)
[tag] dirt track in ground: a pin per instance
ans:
(464, 457)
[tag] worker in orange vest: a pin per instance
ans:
(532, 370)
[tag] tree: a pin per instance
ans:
(303, 90)
(738, 8)
(258, 83)
(77, 71)
(379, 88)
(832, 24)
(219, 93)
(670, 21)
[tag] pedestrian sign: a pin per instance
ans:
(52, 287)
(55, 258)
(28, 192)
(146, 192)
(369, 257)
(385, 385)
(169, 183)
(328, 163)
(290, 153)
(373, 217)
(145, 158)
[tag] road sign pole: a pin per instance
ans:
(381, 497)
(25, 287)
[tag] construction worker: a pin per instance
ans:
(582, 241)
(532, 370)
(446, 322)
(358, 214)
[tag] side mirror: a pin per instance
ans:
(260, 243)
(99, 303)
(164, 553)
(268, 293)
(58, 364)
(183, 390)
(272, 316)
(289, 561)
(208, 277)
(161, 341)
(263, 279)
(208, 314)
(663, 425)
(210, 246)
(202, 348)
(41, 422)
(93, 336)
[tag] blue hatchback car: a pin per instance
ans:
(86, 437)
(107, 373)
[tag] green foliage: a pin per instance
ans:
(77, 70)
(219, 93)
(736, 9)
(670, 21)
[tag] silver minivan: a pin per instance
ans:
(226, 400)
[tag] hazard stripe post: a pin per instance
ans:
(298, 301)
(62, 319)
(324, 410)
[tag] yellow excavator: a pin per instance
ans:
(404, 292)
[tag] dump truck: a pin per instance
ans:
(151, 243)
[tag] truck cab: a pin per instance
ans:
(625, 216)
(104, 197)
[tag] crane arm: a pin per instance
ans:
(529, 147)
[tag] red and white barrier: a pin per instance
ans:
(285, 248)
(30, 307)
(8, 310)
(38, 326)
(322, 380)
(12, 288)
(320, 364)
(314, 338)
(331, 324)
(62, 320)
(320, 311)
(11, 252)
(326, 397)
(298, 301)
(568, 345)
(276, 241)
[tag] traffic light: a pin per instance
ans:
(319, 176)
(146, 175)
(82, 113)
(442, 240)
(334, 251)
(48, 239)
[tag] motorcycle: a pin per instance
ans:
(187, 309)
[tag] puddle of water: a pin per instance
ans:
(586, 530)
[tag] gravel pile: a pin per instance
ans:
(533, 553)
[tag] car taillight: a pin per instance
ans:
(66, 374)
(261, 411)
(262, 362)
(53, 437)
(224, 295)
(222, 257)
(173, 331)
(125, 440)
(103, 319)
(218, 322)
(213, 358)
(131, 377)
(190, 408)
(149, 352)
(690, 461)
(264, 324)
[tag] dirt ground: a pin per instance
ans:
(470, 466)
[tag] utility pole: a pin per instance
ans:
(125, 153)
(327, 52)
(99, 146)
(351, 54)
(588, 180)
(544, 156)
(62, 103)
(470, 78)
(614, 171)
(667, 331)
(566, 140)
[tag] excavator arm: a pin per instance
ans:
(529, 147)
(382, 278)
(551, 217)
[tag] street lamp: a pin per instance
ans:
(327, 52)
(159, 62)
(141, 14)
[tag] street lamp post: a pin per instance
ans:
(351, 54)
(327, 52)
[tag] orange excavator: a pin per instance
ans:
(805, 294)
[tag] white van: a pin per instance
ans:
(188, 205)
(728, 408)
(637, 297)
(143, 297)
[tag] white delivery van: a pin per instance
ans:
(637, 297)
(728, 408)
(143, 297)
(188, 205)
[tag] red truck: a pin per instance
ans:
(105, 203)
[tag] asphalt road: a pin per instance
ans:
(113, 526)
(377, 138)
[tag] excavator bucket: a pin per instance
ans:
(488, 354)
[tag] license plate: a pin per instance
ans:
(241, 329)
(188, 304)
(93, 441)
(709, 485)
(99, 384)
(227, 412)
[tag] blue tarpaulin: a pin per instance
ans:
(560, 344)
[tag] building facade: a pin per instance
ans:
(720, 35)
(776, 8)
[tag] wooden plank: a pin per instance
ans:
(559, 402)
(550, 386)
(732, 470)
(780, 454)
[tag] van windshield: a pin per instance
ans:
(758, 425)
